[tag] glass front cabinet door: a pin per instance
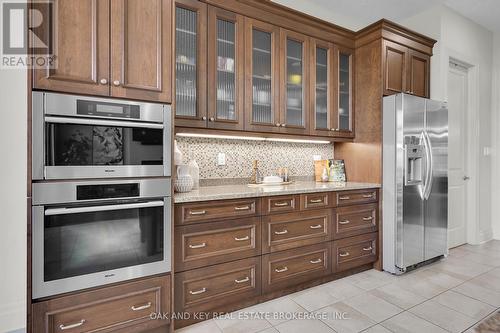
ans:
(190, 63)
(322, 88)
(344, 119)
(294, 82)
(261, 76)
(225, 69)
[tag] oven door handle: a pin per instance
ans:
(102, 122)
(88, 209)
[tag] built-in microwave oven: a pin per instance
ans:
(91, 233)
(77, 137)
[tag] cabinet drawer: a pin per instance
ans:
(354, 251)
(346, 198)
(288, 268)
(282, 204)
(205, 211)
(216, 242)
(113, 308)
(355, 220)
(211, 287)
(290, 230)
(315, 200)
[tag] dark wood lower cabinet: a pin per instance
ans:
(126, 308)
(354, 251)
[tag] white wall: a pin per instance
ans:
(13, 143)
(495, 137)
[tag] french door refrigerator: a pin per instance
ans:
(415, 181)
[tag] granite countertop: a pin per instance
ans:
(222, 192)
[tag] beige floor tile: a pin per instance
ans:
(458, 252)
(476, 291)
(348, 320)
(278, 311)
(377, 329)
(482, 258)
(407, 322)
(444, 279)
(371, 279)
(208, 326)
(341, 289)
(443, 316)
(269, 330)
(488, 280)
(420, 286)
(467, 269)
(314, 298)
(304, 325)
(464, 304)
(373, 307)
(238, 323)
(398, 296)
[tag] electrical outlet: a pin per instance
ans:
(221, 159)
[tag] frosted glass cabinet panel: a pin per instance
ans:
(294, 57)
(190, 66)
(226, 69)
(262, 76)
(344, 119)
(322, 88)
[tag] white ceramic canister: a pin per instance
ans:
(184, 181)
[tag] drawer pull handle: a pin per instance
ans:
(63, 327)
(242, 208)
(197, 292)
(317, 261)
(281, 204)
(197, 246)
(200, 212)
(317, 226)
(345, 197)
(345, 254)
(242, 280)
(368, 196)
(281, 232)
(368, 218)
(316, 200)
(344, 222)
(281, 270)
(241, 239)
(367, 248)
(142, 307)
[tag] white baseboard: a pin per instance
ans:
(485, 236)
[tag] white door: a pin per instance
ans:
(457, 111)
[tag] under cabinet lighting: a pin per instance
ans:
(252, 138)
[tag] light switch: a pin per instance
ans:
(221, 159)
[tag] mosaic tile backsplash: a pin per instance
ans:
(297, 157)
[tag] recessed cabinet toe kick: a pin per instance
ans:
(234, 253)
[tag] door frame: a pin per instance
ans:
(474, 235)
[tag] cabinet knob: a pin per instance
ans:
(278, 124)
(203, 118)
(116, 83)
(103, 81)
(283, 125)
(212, 119)
(332, 129)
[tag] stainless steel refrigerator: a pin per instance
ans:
(415, 181)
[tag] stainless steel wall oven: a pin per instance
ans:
(76, 137)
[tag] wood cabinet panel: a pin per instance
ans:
(215, 210)
(354, 251)
(216, 242)
(355, 220)
(418, 73)
(346, 198)
(110, 308)
(80, 39)
(315, 200)
(395, 64)
(211, 287)
(343, 120)
(287, 268)
(141, 49)
(281, 204)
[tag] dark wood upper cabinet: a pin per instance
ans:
(80, 39)
(262, 79)
(343, 121)
(225, 69)
(418, 73)
(294, 82)
(141, 49)
(190, 63)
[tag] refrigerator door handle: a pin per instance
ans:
(429, 166)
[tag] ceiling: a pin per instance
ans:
(356, 14)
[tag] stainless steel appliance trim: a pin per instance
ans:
(65, 105)
(37, 136)
(167, 140)
(104, 171)
(40, 288)
(88, 209)
(62, 192)
(429, 181)
(101, 122)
